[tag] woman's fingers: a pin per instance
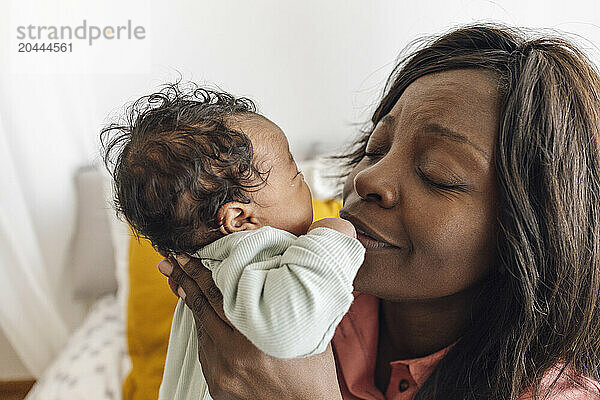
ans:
(194, 269)
(194, 297)
(209, 324)
(173, 286)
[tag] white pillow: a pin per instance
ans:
(91, 254)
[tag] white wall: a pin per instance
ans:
(314, 67)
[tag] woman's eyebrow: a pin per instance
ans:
(389, 121)
(452, 135)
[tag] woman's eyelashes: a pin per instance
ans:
(460, 187)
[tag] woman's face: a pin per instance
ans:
(424, 198)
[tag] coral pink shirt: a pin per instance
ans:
(355, 350)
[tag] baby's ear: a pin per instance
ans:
(237, 217)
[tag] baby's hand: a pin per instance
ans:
(338, 224)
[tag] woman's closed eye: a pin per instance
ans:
(377, 150)
(435, 183)
(450, 185)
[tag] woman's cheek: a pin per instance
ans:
(466, 248)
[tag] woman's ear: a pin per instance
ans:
(236, 217)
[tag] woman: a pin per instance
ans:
(475, 190)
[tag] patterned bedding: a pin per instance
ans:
(94, 362)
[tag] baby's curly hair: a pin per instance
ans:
(175, 161)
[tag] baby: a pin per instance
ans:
(200, 172)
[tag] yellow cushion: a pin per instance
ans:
(150, 308)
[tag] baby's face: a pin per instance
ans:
(285, 201)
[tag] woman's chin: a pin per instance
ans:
(375, 277)
(376, 282)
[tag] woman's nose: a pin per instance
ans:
(373, 184)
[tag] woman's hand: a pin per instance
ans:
(233, 367)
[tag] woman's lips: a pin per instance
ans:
(369, 242)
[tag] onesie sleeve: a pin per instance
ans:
(287, 294)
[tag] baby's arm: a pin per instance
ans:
(285, 293)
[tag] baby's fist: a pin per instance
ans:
(338, 224)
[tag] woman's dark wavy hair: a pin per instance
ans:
(175, 161)
(544, 309)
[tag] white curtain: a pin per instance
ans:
(27, 305)
(52, 107)
(49, 127)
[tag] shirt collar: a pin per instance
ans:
(420, 368)
(355, 346)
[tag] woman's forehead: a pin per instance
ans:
(463, 101)
(464, 87)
